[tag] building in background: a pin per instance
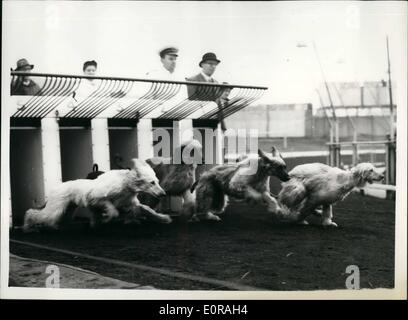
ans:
(361, 109)
(275, 120)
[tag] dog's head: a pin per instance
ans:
(147, 180)
(274, 164)
(366, 173)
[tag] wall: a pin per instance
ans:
(297, 120)
(76, 153)
(122, 142)
(366, 125)
(27, 190)
(290, 120)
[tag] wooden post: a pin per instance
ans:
(392, 112)
(285, 142)
(182, 131)
(145, 139)
(100, 143)
(220, 145)
(390, 162)
(355, 153)
(51, 154)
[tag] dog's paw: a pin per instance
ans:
(164, 218)
(303, 223)
(329, 224)
(193, 219)
(213, 217)
(30, 229)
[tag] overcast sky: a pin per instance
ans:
(258, 42)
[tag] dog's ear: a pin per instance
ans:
(262, 154)
(273, 151)
(138, 163)
(367, 172)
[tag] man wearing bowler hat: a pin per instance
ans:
(24, 85)
(168, 59)
(208, 65)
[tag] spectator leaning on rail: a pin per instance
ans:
(167, 70)
(222, 102)
(24, 85)
(87, 86)
(208, 65)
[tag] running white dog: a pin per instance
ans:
(112, 190)
(315, 184)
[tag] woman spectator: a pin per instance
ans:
(87, 85)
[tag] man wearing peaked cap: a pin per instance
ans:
(168, 50)
(168, 59)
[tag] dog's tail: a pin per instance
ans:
(292, 193)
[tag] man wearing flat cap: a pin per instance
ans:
(208, 65)
(24, 85)
(168, 59)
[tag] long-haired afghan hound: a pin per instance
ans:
(242, 180)
(103, 195)
(176, 175)
(315, 185)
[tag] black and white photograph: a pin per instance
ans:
(204, 149)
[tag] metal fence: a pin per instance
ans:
(135, 98)
(381, 153)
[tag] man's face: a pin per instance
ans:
(26, 69)
(209, 67)
(169, 62)
(225, 94)
(90, 71)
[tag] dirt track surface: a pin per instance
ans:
(34, 273)
(247, 247)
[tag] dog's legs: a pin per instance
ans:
(109, 211)
(188, 204)
(271, 203)
(304, 210)
(281, 213)
(95, 218)
(159, 217)
(328, 216)
(206, 194)
(149, 212)
(50, 216)
(102, 212)
(251, 193)
(223, 205)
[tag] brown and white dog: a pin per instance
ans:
(247, 179)
(314, 185)
(176, 176)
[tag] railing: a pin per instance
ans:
(138, 98)
(389, 151)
